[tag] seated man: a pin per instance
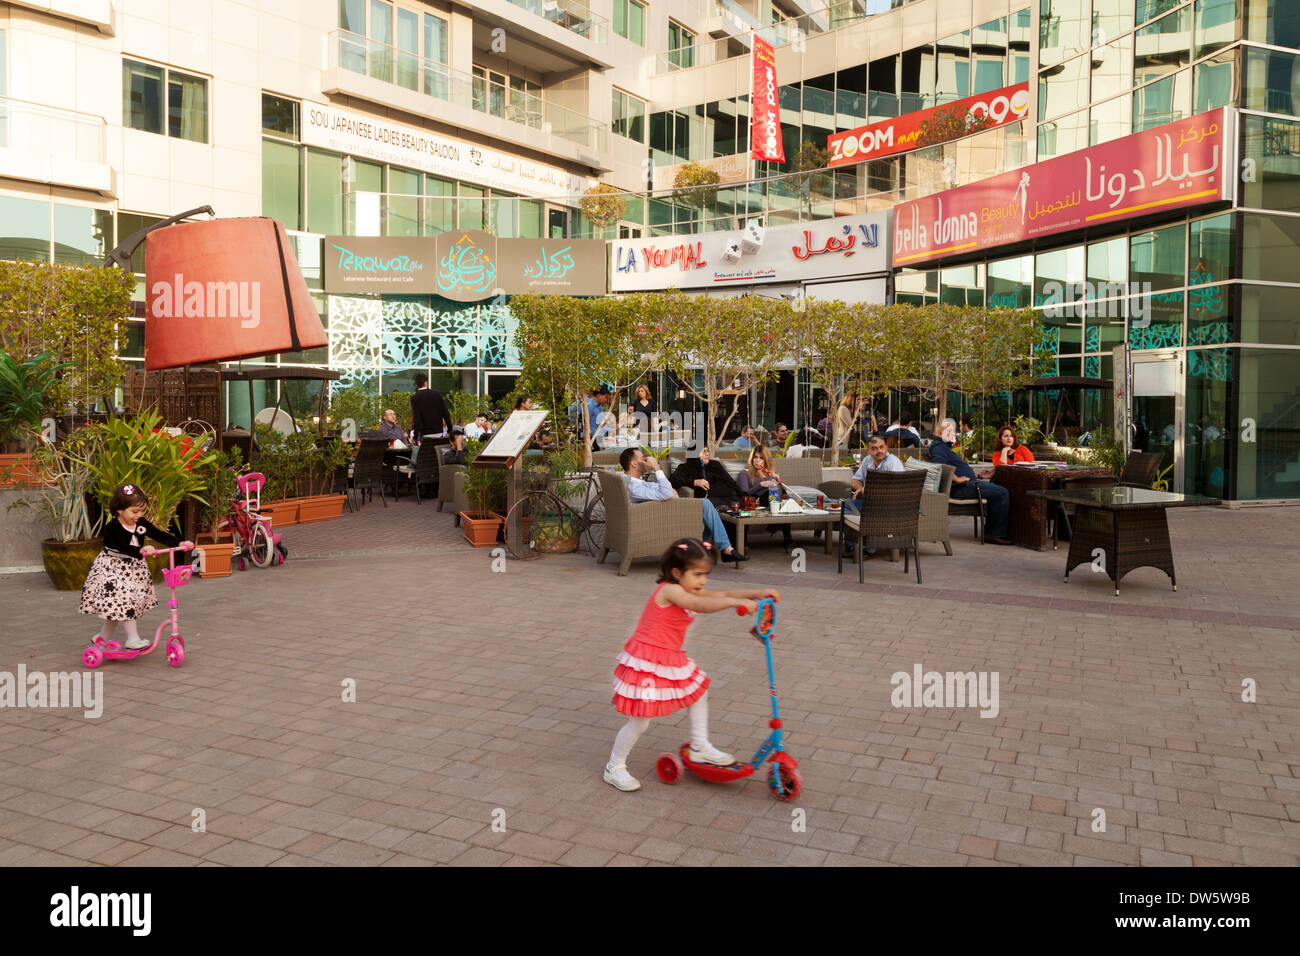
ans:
(747, 438)
(389, 428)
(878, 458)
(776, 441)
(964, 483)
(455, 453)
(908, 437)
(647, 482)
(478, 428)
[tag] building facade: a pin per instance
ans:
(411, 118)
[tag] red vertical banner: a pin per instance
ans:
(765, 105)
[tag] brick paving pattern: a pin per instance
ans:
(484, 698)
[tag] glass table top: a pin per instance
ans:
(1121, 497)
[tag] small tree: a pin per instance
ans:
(696, 186)
(811, 163)
(950, 123)
(603, 205)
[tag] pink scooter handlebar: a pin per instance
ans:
(149, 550)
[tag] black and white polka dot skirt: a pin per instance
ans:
(118, 587)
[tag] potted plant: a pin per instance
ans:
(322, 457)
(280, 458)
(486, 490)
(25, 392)
(221, 473)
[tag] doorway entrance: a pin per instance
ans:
(1159, 409)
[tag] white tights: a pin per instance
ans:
(127, 626)
(636, 726)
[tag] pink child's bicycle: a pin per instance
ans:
(101, 650)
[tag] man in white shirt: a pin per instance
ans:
(647, 482)
(878, 459)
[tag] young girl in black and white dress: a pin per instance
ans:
(119, 587)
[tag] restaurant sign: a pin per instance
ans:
(465, 265)
(1172, 166)
(898, 135)
(827, 248)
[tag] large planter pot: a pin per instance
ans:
(480, 527)
(283, 513)
(68, 562)
(320, 508)
(216, 559)
(20, 471)
(555, 533)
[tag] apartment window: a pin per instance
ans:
(408, 49)
(435, 56)
(185, 104)
(629, 20)
(282, 182)
(628, 116)
(279, 117)
(681, 45)
(324, 191)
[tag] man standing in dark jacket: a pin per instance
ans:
(429, 417)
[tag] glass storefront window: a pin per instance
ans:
(133, 347)
(1059, 275)
(1268, 315)
(1273, 145)
(530, 219)
(82, 236)
(282, 183)
(1209, 315)
(1216, 25)
(1064, 26)
(324, 192)
(1162, 47)
(1158, 257)
(1207, 431)
(1214, 82)
(1108, 267)
(1112, 68)
(1268, 247)
(962, 285)
(505, 216)
(1063, 87)
(1010, 282)
(1156, 322)
(917, 288)
(439, 205)
(1110, 120)
(1209, 252)
(404, 203)
(24, 229)
(1263, 467)
(1064, 135)
(1272, 82)
(473, 207)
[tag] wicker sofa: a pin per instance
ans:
(644, 530)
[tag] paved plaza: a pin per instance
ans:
(482, 716)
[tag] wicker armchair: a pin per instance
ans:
(446, 485)
(1141, 468)
(890, 518)
(644, 530)
(426, 472)
(933, 525)
(607, 457)
(368, 468)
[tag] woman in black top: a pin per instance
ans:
(119, 587)
(706, 479)
(645, 405)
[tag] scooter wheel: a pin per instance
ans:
(785, 782)
(175, 652)
(669, 767)
(92, 657)
(242, 564)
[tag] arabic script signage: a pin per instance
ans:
(829, 248)
(888, 137)
(464, 266)
(1169, 167)
(765, 131)
(370, 137)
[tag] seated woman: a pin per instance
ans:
(759, 481)
(705, 478)
(1010, 451)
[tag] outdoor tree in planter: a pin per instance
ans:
(75, 315)
(485, 489)
(603, 205)
(696, 186)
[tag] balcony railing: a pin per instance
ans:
(38, 130)
(840, 13)
(358, 54)
(573, 16)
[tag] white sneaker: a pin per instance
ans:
(135, 643)
(619, 778)
(710, 754)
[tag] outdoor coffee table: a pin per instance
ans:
(1127, 525)
(765, 519)
(1027, 516)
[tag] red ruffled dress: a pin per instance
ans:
(654, 677)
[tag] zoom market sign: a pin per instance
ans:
(465, 265)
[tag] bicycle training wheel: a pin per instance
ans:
(261, 549)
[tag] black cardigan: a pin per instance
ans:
(122, 540)
(722, 487)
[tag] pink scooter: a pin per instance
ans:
(174, 577)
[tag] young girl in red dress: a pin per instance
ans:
(654, 677)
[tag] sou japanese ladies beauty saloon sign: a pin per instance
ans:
(1186, 163)
(766, 99)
